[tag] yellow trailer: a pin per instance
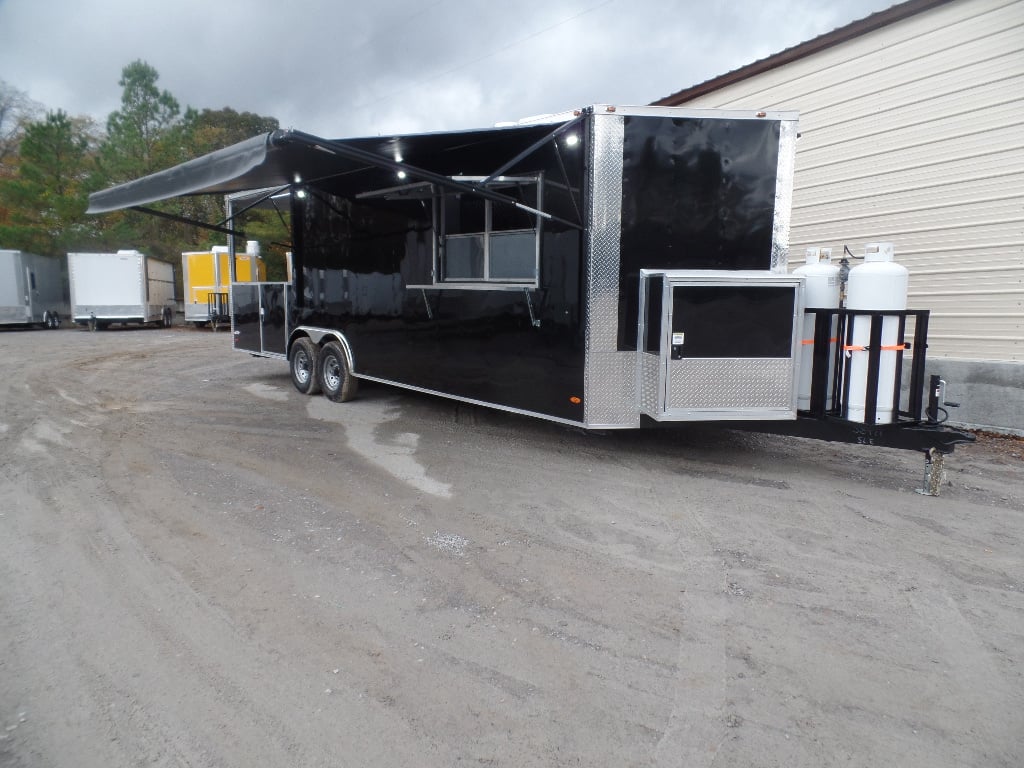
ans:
(207, 281)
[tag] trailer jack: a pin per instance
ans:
(934, 473)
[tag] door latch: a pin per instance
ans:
(677, 345)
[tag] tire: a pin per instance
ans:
(302, 361)
(168, 320)
(336, 380)
(54, 320)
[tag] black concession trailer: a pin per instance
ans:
(610, 267)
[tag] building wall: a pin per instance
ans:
(914, 133)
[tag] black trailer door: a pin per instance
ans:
(274, 318)
(718, 346)
(259, 318)
(245, 317)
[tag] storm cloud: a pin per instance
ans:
(362, 68)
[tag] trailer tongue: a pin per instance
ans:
(607, 268)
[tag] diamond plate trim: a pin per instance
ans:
(610, 396)
(650, 380)
(783, 195)
(728, 384)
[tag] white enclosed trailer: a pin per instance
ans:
(31, 290)
(124, 287)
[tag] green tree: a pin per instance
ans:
(136, 143)
(16, 109)
(212, 129)
(207, 131)
(46, 196)
(140, 140)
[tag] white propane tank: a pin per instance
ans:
(821, 291)
(252, 248)
(879, 284)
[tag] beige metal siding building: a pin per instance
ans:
(912, 131)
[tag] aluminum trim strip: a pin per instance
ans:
(471, 401)
(722, 114)
(784, 195)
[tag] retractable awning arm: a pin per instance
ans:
(414, 172)
(194, 222)
(285, 159)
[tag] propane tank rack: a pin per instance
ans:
(912, 425)
(833, 363)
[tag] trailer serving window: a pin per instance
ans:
(490, 242)
(480, 243)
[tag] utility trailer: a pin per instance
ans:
(207, 277)
(126, 287)
(607, 268)
(32, 290)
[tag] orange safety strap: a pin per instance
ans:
(833, 340)
(884, 348)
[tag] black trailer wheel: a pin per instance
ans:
(336, 380)
(55, 320)
(168, 320)
(302, 361)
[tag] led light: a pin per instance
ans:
(301, 194)
(298, 179)
(572, 140)
(401, 174)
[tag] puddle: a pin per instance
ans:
(266, 392)
(396, 456)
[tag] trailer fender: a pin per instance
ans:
(320, 337)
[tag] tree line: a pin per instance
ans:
(51, 161)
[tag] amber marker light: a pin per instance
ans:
(575, 400)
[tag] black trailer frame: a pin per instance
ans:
(606, 268)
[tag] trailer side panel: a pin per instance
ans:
(369, 268)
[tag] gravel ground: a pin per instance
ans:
(202, 567)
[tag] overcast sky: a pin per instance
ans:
(348, 68)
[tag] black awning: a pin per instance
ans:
(343, 166)
(219, 171)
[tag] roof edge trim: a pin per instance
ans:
(815, 45)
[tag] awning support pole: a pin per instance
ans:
(183, 220)
(538, 144)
